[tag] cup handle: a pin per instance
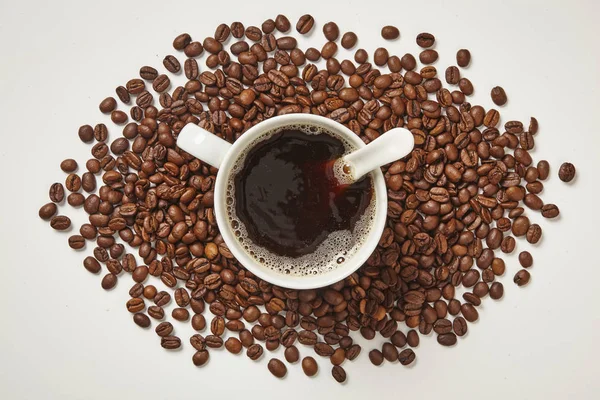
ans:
(203, 145)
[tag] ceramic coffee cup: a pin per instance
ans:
(223, 155)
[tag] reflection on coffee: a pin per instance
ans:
(286, 206)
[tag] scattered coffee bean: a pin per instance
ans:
(498, 96)
(349, 40)
(277, 368)
(463, 58)
(522, 277)
(292, 354)
(309, 366)
(566, 172)
(390, 32)
(109, 281)
(47, 211)
(425, 40)
(305, 24)
(254, 352)
(170, 342)
(141, 320)
(406, 357)
(60, 222)
(331, 31)
(57, 193)
(338, 373)
(200, 358)
(107, 105)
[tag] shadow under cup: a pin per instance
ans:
(339, 255)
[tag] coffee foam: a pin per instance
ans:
(333, 252)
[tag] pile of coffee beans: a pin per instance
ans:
(456, 203)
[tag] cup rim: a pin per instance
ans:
(265, 273)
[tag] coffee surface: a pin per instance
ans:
(287, 197)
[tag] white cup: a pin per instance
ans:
(215, 151)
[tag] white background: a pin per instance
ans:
(63, 337)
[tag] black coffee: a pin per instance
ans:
(288, 198)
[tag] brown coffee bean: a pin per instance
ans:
(123, 94)
(459, 325)
(447, 339)
(349, 40)
(309, 366)
(550, 211)
(193, 49)
(60, 222)
(200, 358)
(170, 342)
(181, 41)
(180, 314)
(496, 290)
(406, 357)
(412, 338)
(463, 57)
(76, 242)
(469, 312)
(331, 31)
(522, 277)
(233, 345)
(141, 320)
(254, 352)
(92, 265)
(156, 312)
(47, 211)
(465, 86)
(566, 172)
(291, 354)
(390, 32)
(164, 329)
(282, 23)
(428, 56)
(525, 259)
(498, 96)
(56, 193)
(305, 24)
(453, 76)
(338, 373)
(277, 368)
(109, 281)
(86, 133)
(425, 39)
(380, 57)
(68, 165)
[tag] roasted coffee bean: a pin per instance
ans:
(331, 31)
(200, 358)
(390, 32)
(109, 281)
(566, 172)
(304, 25)
(282, 23)
(47, 211)
(181, 41)
(291, 354)
(156, 312)
(141, 320)
(406, 357)
(338, 373)
(233, 345)
(412, 338)
(107, 105)
(148, 73)
(498, 96)
(349, 40)
(214, 342)
(459, 325)
(309, 366)
(57, 193)
(92, 265)
(525, 259)
(162, 298)
(522, 277)
(453, 76)
(463, 57)
(496, 291)
(425, 39)
(447, 339)
(60, 222)
(380, 57)
(123, 94)
(170, 342)
(428, 56)
(76, 242)
(469, 312)
(86, 133)
(389, 351)
(68, 165)
(180, 314)
(277, 368)
(550, 211)
(254, 352)
(197, 341)
(193, 49)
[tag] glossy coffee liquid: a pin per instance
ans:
(288, 205)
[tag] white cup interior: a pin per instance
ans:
(351, 264)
